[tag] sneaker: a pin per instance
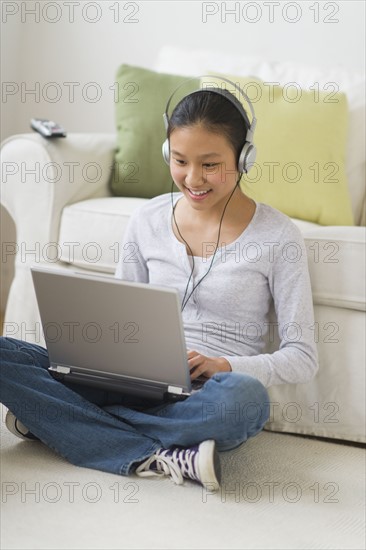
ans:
(199, 463)
(16, 427)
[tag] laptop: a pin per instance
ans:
(115, 335)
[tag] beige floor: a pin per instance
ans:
(278, 491)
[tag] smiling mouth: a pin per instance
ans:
(198, 193)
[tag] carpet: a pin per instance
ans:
(278, 491)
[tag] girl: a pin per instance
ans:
(230, 258)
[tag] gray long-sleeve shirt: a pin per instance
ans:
(229, 313)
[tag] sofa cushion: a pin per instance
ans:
(301, 143)
(336, 259)
(91, 233)
(139, 168)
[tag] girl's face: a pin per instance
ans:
(203, 167)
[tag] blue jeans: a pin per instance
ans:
(112, 432)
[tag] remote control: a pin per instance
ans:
(47, 128)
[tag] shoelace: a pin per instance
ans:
(178, 465)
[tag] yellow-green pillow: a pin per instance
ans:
(301, 144)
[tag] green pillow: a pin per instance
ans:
(301, 143)
(139, 167)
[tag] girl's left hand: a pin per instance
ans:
(200, 365)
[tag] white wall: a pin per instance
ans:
(36, 52)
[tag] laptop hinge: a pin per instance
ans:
(175, 389)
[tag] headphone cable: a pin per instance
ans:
(184, 303)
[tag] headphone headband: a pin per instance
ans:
(254, 120)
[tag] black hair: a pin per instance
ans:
(216, 113)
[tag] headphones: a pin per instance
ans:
(249, 152)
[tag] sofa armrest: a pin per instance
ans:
(40, 177)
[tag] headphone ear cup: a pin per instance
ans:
(247, 157)
(166, 152)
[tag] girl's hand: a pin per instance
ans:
(200, 365)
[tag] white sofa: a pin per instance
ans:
(65, 215)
